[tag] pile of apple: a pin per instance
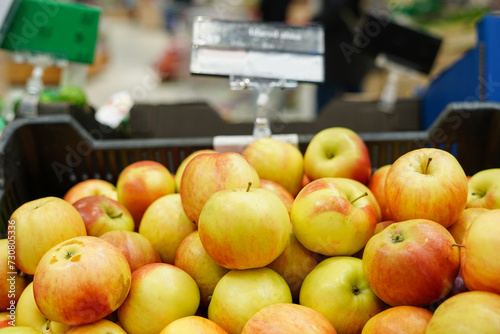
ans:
(268, 240)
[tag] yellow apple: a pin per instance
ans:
(90, 187)
(12, 283)
(484, 189)
(460, 227)
(19, 330)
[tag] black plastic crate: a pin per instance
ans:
(45, 156)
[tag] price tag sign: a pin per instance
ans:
(8, 10)
(257, 50)
(63, 30)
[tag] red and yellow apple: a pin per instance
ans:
(279, 190)
(41, 224)
(5, 319)
(90, 187)
(193, 324)
(103, 214)
(337, 152)
(399, 319)
(244, 228)
(81, 280)
(183, 164)
(412, 262)
(426, 183)
(376, 184)
(140, 184)
(102, 326)
(460, 227)
(160, 294)
(484, 189)
(165, 224)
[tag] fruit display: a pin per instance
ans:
(270, 240)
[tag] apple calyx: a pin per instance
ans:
(397, 238)
(355, 290)
(478, 194)
(249, 186)
(426, 170)
(360, 196)
(113, 213)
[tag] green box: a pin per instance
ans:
(63, 30)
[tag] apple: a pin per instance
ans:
(138, 250)
(165, 224)
(334, 216)
(467, 312)
(287, 318)
(193, 324)
(279, 190)
(208, 173)
(90, 187)
(41, 224)
(81, 280)
(305, 180)
(102, 326)
(382, 225)
(294, 264)
(160, 294)
(426, 183)
(102, 214)
(337, 288)
(411, 262)
(484, 189)
(183, 164)
(19, 330)
(242, 293)
(12, 283)
(479, 256)
(399, 319)
(376, 184)
(5, 319)
(28, 314)
(277, 161)
(458, 228)
(370, 196)
(140, 184)
(337, 152)
(244, 228)
(192, 257)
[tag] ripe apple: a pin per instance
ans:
(279, 190)
(411, 262)
(463, 223)
(399, 319)
(333, 216)
(102, 214)
(243, 228)
(12, 283)
(294, 264)
(160, 294)
(206, 174)
(90, 187)
(138, 250)
(28, 314)
(288, 318)
(484, 189)
(19, 330)
(165, 224)
(337, 152)
(377, 185)
(102, 326)
(467, 312)
(140, 184)
(183, 164)
(337, 288)
(370, 196)
(479, 256)
(426, 183)
(193, 324)
(277, 161)
(192, 257)
(242, 293)
(5, 319)
(41, 224)
(81, 280)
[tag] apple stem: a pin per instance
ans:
(249, 185)
(360, 196)
(48, 325)
(427, 166)
(458, 245)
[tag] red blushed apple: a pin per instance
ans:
(138, 250)
(91, 187)
(426, 183)
(183, 164)
(206, 174)
(279, 190)
(479, 256)
(467, 312)
(102, 326)
(192, 257)
(140, 184)
(337, 152)
(81, 280)
(102, 214)
(412, 262)
(193, 324)
(399, 319)
(463, 223)
(288, 318)
(377, 185)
